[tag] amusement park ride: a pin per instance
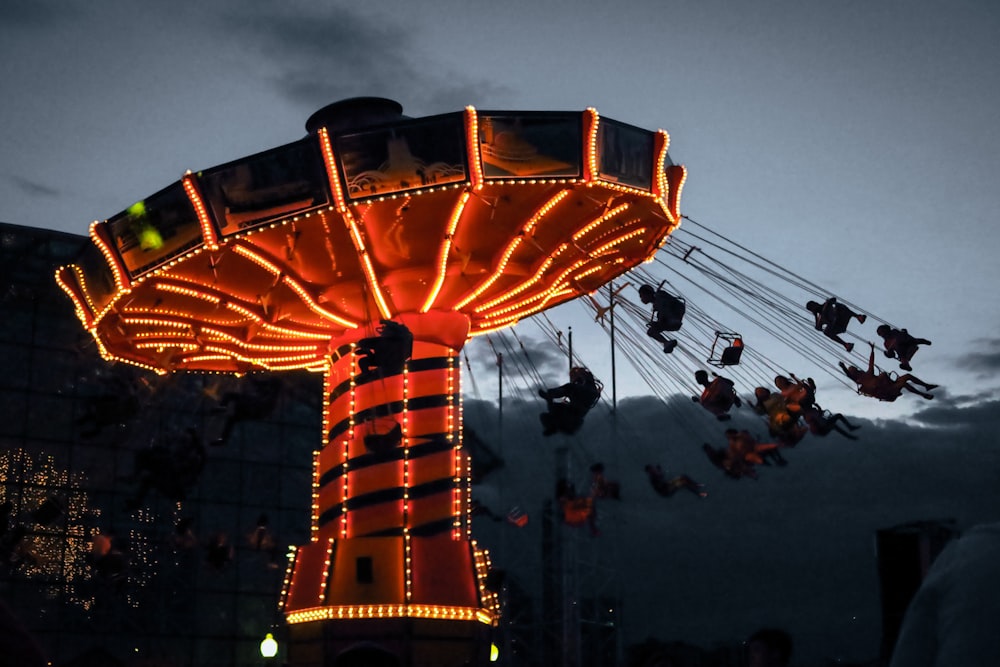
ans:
(452, 225)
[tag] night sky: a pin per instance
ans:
(851, 142)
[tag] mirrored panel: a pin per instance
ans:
(626, 154)
(288, 180)
(403, 157)
(153, 231)
(527, 145)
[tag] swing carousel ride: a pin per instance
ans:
(453, 226)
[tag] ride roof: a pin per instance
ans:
(259, 263)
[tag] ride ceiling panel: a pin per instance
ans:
(259, 263)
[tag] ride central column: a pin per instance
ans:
(391, 572)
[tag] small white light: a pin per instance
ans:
(269, 647)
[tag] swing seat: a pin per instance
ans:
(577, 511)
(727, 349)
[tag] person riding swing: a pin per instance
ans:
(388, 351)
(832, 317)
(668, 314)
(581, 393)
(883, 386)
(718, 396)
(900, 344)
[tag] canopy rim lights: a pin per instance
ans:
(497, 215)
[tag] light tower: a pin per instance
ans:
(452, 225)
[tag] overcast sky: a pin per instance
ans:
(852, 142)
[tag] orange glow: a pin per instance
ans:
(186, 291)
(661, 186)
(472, 147)
(675, 195)
(442, 262)
(599, 221)
(591, 120)
(331, 268)
(291, 282)
(366, 262)
(402, 242)
(513, 245)
(286, 582)
(493, 322)
(332, 175)
(208, 235)
(524, 285)
(359, 243)
(600, 250)
(82, 304)
(391, 611)
(345, 468)
(98, 233)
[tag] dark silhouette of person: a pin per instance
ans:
(668, 314)
(718, 395)
(821, 422)
(388, 351)
(742, 453)
(900, 344)
(581, 394)
(257, 402)
(261, 538)
(219, 552)
(668, 487)
(108, 558)
(883, 386)
(799, 394)
(600, 486)
(721, 458)
(115, 405)
(832, 318)
(782, 417)
(744, 446)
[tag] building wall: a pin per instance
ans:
(88, 558)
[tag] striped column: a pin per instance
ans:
(390, 522)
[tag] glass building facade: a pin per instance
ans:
(144, 518)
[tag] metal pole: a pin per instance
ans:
(569, 652)
(500, 396)
(614, 376)
(569, 338)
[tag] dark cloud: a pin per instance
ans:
(524, 357)
(326, 53)
(33, 188)
(793, 548)
(960, 415)
(986, 361)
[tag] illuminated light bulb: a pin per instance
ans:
(473, 147)
(268, 647)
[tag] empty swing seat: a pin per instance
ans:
(730, 347)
